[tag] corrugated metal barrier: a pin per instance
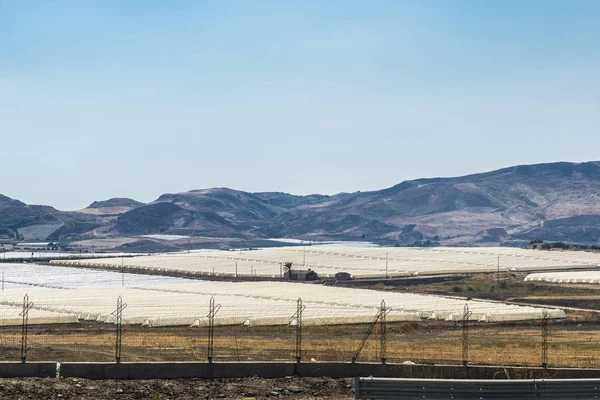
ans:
(480, 389)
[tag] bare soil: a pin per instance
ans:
(181, 389)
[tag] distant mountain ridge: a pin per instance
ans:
(554, 201)
(116, 202)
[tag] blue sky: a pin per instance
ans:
(137, 98)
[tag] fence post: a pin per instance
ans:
(545, 333)
(25, 327)
(118, 314)
(298, 316)
(465, 335)
(380, 318)
(383, 330)
(212, 310)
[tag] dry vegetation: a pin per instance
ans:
(572, 343)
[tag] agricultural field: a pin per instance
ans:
(44, 254)
(373, 262)
(30, 276)
(166, 319)
(247, 303)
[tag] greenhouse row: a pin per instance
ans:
(566, 277)
(247, 303)
(359, 262)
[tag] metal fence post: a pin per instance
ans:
(25, 327)
(212, 311)
(465, 334)
(545, 333)
(118, 314)
(298, 317)
(381, 319)
(383, 331)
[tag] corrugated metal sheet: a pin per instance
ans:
(390, 388)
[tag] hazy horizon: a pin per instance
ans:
(139, 98)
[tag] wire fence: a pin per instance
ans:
(544, 342)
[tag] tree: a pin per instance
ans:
(287, 267)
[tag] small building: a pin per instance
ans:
(540, 246)
(343, 276)
(302, 275)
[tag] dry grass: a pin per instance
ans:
(570, 345)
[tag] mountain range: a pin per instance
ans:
(555, 202)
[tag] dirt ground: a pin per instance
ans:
(238, 389)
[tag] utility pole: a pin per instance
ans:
(386, 265)
(498, 275)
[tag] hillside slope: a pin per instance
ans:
(513, 200)
(556, 201)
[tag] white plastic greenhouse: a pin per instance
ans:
(360, 262)
(566, 277)
(10, 315)
(248, 303)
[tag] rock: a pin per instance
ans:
(119, 391)
(294, 389)
(274, 393)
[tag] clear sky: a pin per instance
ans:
(127, 98)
